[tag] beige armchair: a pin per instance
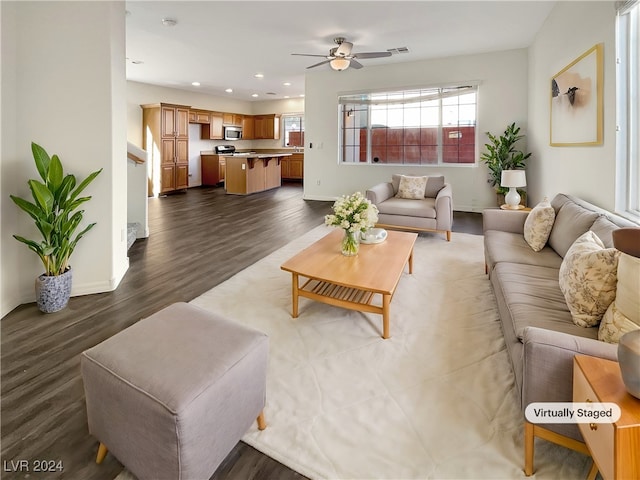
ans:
(432, 212)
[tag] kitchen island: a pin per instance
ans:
(251, 173)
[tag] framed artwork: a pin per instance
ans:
(576, 101)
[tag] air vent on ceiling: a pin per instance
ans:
(395, 51)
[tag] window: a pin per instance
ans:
(628, 110)
(427, 126)
(293, 127)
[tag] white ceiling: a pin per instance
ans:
(223, 44)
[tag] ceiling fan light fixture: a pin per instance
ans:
(339, 64)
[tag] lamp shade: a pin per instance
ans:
(339, 64)
(513, 178)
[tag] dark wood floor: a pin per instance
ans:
(197, 240)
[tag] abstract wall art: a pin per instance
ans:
(576, 101)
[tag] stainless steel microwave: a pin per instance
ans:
(232, 133)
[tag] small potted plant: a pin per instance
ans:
(54, 210)
(502, 155)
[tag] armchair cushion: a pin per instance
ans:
(435, 183)
(411, 188)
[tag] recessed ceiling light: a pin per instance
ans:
(229, 90)
(287, 84)
(254, 95)
(195, 84)
(287, 96)
(302, 95)
(259, 75)
(169, 22)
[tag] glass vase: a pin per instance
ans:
(350, 243)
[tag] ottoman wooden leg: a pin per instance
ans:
(262, 424)
(102, 452)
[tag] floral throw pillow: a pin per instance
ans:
(412, 187)
(538, 225)
(623, 315)
(588, 277)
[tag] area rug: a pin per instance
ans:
(436, 400)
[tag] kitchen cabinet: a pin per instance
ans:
(232, 119)
(293, 167)
(212, 168)
(253, 173)
(198, 116)
(167, 126)
(267, 127)
(212, 130)
(248, 127)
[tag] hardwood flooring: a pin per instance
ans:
(198, 239)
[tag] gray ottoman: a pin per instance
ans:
(172, 395)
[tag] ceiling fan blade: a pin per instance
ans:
(308, 55)
(371, 54)
(318, 64)
(355, 64)
(344, 49)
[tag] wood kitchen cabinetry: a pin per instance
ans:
(267, 127)
(199, 116)
(248, 127)
(166, 133)
(293, 167)
(212, 168)
(232, 119)
(213, 130)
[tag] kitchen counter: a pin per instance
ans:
(254, 172)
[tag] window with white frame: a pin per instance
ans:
(628, 110)
(424, 126)
(293, 128)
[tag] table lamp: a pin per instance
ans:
(513, 179)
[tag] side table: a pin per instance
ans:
(614, 446)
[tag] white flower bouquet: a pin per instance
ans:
(354, 214)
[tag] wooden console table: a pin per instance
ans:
(615, 447)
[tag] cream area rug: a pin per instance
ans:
(436, 400)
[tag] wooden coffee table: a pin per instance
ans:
(352, 282)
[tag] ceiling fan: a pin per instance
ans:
(341, 58)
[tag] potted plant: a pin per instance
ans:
(55, 212)
(501, 155)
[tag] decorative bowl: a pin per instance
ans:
(373, 235)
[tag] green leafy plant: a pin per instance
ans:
(55, 211)
(501, 155)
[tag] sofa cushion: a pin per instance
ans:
(623, 315)
(435, 183)
(511, 247)
(412, 208)
(571, 221)
(587, 278)
(529, 296)
(538, 225)
(411, 188)
(603, 227)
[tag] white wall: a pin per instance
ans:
(571, 29)
(502, 99)
(68, 96)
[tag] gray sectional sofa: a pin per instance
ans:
(538, 329)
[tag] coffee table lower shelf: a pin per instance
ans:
(344, 297)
